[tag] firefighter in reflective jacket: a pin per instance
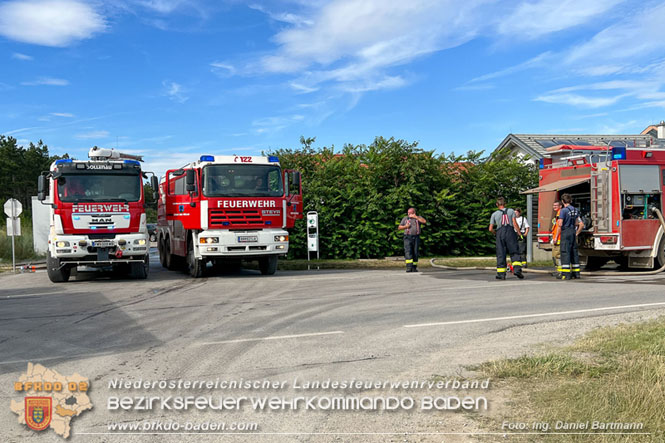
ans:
(556, 239)
(411, 225)
(571, 225)
(506, 239)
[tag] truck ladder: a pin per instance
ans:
(600, 195)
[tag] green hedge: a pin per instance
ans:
(362, 192)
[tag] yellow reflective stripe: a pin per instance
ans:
(500, 269)
(565, 270)
(415, 262)
(558, 268)
(517, 263)
(409, 261)
(576, 269)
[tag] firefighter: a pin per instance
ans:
(522, 234)
(571, 225)
(556, 239)
(506, 239)
(411, 227)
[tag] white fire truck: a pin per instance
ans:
(97, 215)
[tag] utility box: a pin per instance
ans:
(312, 220)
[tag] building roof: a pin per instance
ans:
(535, 145)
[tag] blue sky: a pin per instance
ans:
(174, 79)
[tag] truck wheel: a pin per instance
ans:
(171, 261)
(268, 265)
(57, 273)
(162, 252)
(595, 263)
(195, 267)
(660, 257)
(140, 270)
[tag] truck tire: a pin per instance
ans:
(171, 261)
(57, 273)
(195, 266)
(595, 263)
(140, 270)
(268, 265)
(660, 257)
(162, 252)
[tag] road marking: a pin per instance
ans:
(546, 314)
(274, 337)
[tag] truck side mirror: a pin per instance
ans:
(154, 184)
(190, 180)
(41, 188)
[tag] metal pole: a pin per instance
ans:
(529, 237)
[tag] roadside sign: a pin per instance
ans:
(13, 207)
(13, 227)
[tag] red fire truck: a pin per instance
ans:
(619, 193)
(97, 215)
(223, 209)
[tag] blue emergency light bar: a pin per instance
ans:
(619, 153)
(63, 160)
(207, 158)
(273, 159)
(132, 162)
(541, 163)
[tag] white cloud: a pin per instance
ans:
(286, 17)
(535, 19)
(62, 114)
(93, 135)
(223, 69)
(628, 41)
(276, 123)
(47, 81)
(174, 91)
(49, 22)
(578, 100)
(163, 6)
(24, 57)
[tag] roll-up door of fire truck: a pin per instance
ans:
(293, 190)
(641, 187)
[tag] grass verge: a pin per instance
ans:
(611, 375)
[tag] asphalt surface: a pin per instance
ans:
(370, 325)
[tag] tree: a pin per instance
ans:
(362, 192)
(20, 167)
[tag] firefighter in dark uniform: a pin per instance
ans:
(506, 239)
(570, 224)
(411, 225)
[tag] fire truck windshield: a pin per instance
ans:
(99, 187)
(242, 181)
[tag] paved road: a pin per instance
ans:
(317, 325)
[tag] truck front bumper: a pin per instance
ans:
(80, 249)
(241, 243)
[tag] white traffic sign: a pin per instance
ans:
(13, 227)
(13, 207)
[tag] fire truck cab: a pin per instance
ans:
(619, 193)
(224, 209)
(97, 215)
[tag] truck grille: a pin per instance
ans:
(234, 218)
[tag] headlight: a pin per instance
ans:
(208, 240)
(281, 238)
(62, 244)
(140, 241)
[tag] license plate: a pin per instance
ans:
(247, 238)
(103, 244)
